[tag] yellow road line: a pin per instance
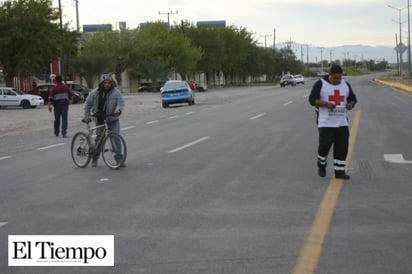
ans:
(395, 85)
(311, 251)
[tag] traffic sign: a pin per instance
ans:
(401, 48)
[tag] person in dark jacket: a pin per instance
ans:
(106, 103)
(333, 97)
(59, 98)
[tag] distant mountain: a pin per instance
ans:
(352, 52)
(361, 52)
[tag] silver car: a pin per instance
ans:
(299, 79)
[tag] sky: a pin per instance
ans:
(316, 23)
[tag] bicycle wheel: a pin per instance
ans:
(81, 149)
(114, 150)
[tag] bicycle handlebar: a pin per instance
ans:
(94, 115)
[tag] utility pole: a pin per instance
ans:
(321, 58)
(330, 56)
(77, 15)
(266, 35)
(61, 58)
(399, 46)
(307, 55)
(301, 53)
(409, 44)
(168, 16)
(397, 53)
(79, 46)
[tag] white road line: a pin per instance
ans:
(126, 128)
(56, 145)
(288, 103)
(190, 112)
(5, 157)
(396, 158)
(257, 116)
(172, 117)
(152, 122)
(3, 223)
(189, 144)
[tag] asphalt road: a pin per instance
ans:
(228, 185)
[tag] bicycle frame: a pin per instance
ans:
(110, 144)
(100, 137)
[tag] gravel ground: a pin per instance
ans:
(16, 120)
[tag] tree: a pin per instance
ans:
(31, 38)
(208, 39)
(260, 62)
(157, 52)
(90, 67)
(114, 46)
(238, 47)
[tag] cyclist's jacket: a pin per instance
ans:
(60, 95)
(113, 102)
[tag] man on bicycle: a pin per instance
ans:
(106, 103)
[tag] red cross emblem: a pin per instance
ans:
(337, 98)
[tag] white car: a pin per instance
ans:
(299, 79)
(15, 97)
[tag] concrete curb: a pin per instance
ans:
(394, 84)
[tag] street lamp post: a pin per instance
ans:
(399, 47)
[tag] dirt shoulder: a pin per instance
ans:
(15, 120)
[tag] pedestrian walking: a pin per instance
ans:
(59, 98)
(333, 97)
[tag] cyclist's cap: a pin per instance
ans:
(105, 77)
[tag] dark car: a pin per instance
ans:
(199, 87)
(43, 91)
(145, 87)
(287, 80)
(148, 87)
(79, 88)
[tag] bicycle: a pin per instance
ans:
(113, 147)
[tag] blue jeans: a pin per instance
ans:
(60, 112)
(113, 126)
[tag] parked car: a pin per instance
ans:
(191, 84)
(176, 92)
(299, 79)
(198, 86)
(287, 80)
(43, 91)
(79, 88)
(14, 97)
(148, 87)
